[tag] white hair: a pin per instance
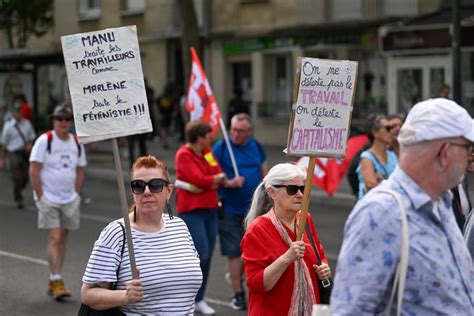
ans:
(278, 174)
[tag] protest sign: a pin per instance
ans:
(106, 84)
(322, 107)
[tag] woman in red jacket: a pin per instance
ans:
(272, 255)
(196, 201)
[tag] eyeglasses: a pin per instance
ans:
(291, 189)
(388, 128)
(239, 130)
(63, 119)
(155, 185)
(467, 146)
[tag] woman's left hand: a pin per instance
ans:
(323, 271)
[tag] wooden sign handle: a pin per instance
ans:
(306, 196)
(123, 203)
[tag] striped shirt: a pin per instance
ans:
(167, 260)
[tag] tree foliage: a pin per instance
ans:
(22, 18)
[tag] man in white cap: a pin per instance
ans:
(435, 149)
(57, 164)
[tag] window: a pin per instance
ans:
(346, 9)
(278, 86)
(89, 9)
(130, 7)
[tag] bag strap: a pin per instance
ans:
(402, 267)
(49, 136)
(21, 134)
(385, 172)
(310, 237)
(121, 255)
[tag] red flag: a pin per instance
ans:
(200, 101)
(328, 172)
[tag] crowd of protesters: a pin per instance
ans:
(416, 165)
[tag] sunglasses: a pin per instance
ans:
(291, 189)
(63, 119)
(155, 185)
(388, 128)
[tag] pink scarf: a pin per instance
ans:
(302, 298)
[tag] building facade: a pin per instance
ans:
(251, 45)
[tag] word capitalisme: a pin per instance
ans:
(318, 139)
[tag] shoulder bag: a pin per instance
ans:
(85, 310)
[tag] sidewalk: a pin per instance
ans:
(101, 165)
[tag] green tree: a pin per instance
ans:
(20, 19)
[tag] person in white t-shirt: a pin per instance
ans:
(57, 174)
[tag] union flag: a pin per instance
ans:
(200, 101)
(328, 172)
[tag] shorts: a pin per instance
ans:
(54, 215)
(231, 232)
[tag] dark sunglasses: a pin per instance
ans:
(155, 185)
(388, 128)
(291, 189)
(63, 119)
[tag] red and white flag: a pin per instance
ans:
(200, 101)
(328, 172)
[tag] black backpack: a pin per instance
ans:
(351, 174)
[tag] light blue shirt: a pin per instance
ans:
(440, 273)
(384, 170)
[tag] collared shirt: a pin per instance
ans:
(12, 139)
(440, 273)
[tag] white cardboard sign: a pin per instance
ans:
(106, 84)
(322, 107)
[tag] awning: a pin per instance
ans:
(430, 33)
(18, 59)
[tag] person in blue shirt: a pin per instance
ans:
(251, 163)
(377, 162)
(435, 151)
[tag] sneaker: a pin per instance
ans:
(238, 302)
(203, 308)
(57, 290)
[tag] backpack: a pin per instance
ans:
(49, 135)
(351, 175)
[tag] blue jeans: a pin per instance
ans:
(202, 224)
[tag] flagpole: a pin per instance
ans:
(229, 147)
(306, 196)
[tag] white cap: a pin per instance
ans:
(435, 119)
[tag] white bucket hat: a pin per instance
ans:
(435, 119)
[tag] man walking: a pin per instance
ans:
(251, 163)
(17, 139)
(435, 150)
(57, 174)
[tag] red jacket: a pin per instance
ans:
(261, 246)
(199, 171)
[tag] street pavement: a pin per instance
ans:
(23, 265)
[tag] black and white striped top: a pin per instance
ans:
(167, 260)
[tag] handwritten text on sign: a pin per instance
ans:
(323, 107)
(106, 84)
